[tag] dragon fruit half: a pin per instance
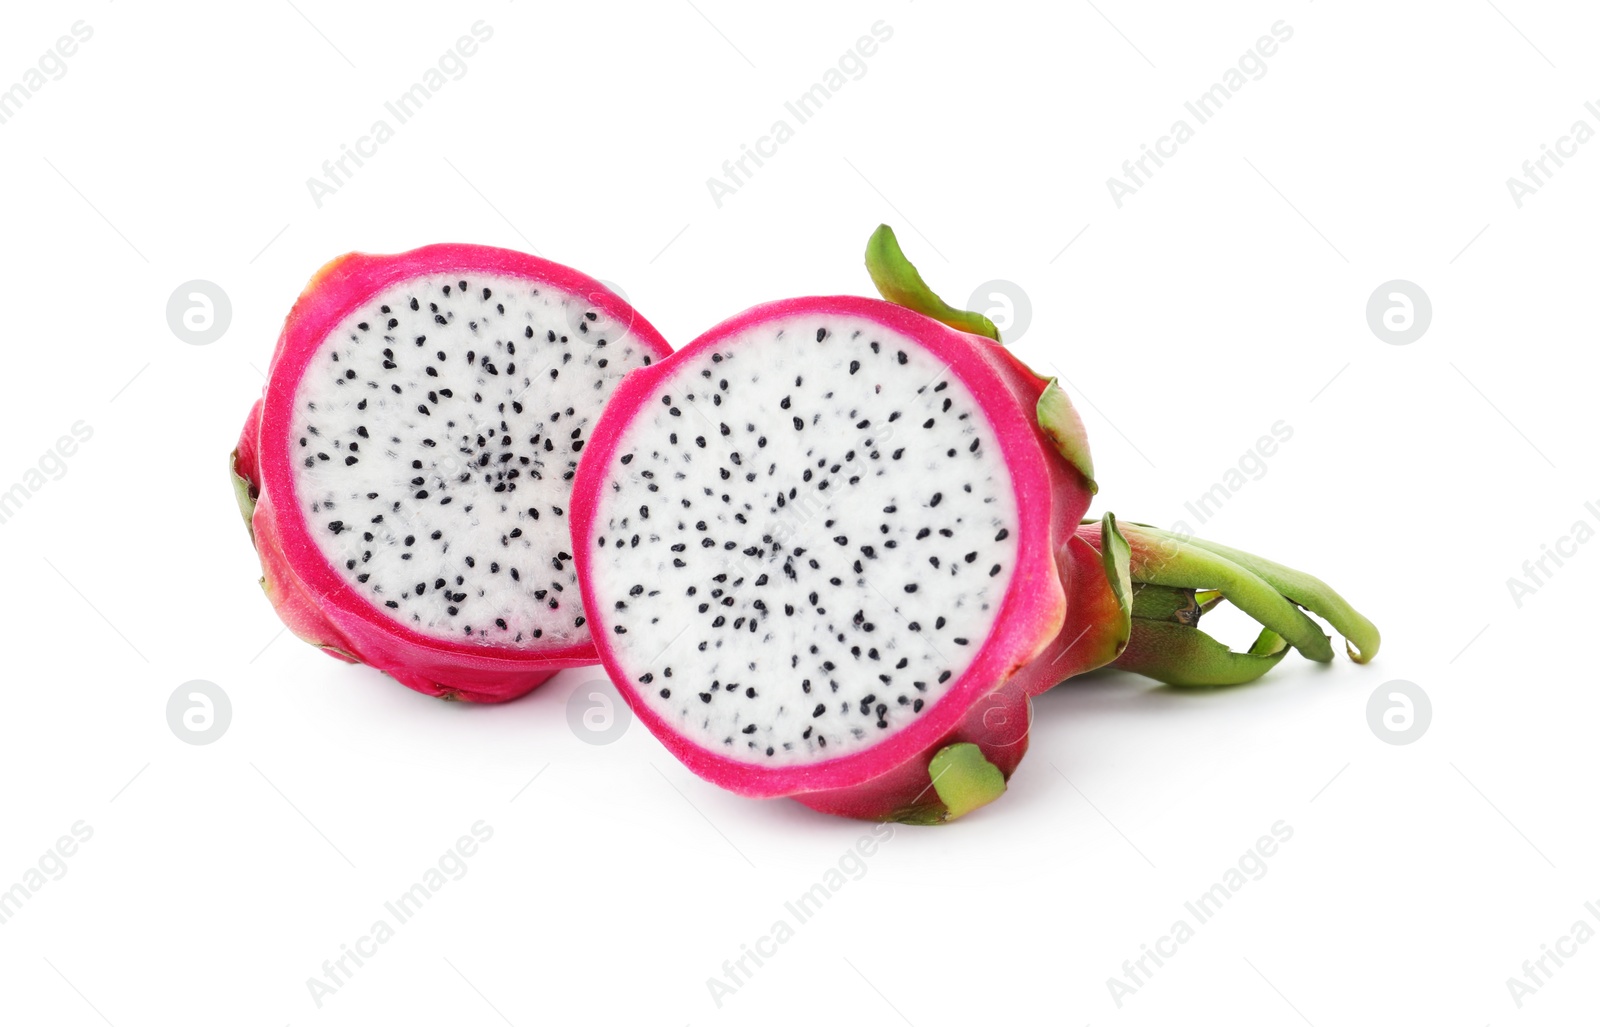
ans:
(406, 473)
(821, 544)
(832, 547)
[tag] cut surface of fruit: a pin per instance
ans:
(862, 539)
(816, 543)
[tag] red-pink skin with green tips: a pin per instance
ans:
(309, 594)
(1028, 649)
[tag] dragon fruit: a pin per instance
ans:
(407, 471)
(821, 543)
(832, 548)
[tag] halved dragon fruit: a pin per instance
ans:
(406, 474)
(818, 546)
(832, 547)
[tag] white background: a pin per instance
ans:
(1226, 294)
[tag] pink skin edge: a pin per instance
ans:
(988, 704)
(309, 594)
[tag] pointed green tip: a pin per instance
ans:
(1059, 420)
(1117, 558)
(244, 494)
(898, 282)
(964, 779)
(1268, 643)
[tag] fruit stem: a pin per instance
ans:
(1361, 635)
(1161, 558)
(1161, 602)
(1176, 578)
(1176, 654)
